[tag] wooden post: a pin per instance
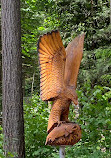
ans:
(62, 151)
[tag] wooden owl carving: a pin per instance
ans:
(59, 69)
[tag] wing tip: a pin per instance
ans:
(82, 35)
(48, 33)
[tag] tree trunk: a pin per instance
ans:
(13, 124)
(110, 12)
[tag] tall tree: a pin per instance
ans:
(13, 124)
(110, 11)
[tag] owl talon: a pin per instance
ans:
(65, 134)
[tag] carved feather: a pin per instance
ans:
(59, 70)
(74, 53)
(57, 73)
(51, 57)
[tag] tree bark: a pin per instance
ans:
(110, 12)
(13, 124)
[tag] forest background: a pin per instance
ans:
(71, 17)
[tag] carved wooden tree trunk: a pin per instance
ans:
(13, 124)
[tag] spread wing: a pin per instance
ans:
(52, 64)
(74, 53)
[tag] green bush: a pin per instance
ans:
(36, 118)
(94, 118)
(1, 143)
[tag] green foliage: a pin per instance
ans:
(95, 68)
(1, 143)
(71, 17)
(94, 119)
(36, 117)
(1, 146)
(75, 16)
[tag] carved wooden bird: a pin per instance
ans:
(58, 79)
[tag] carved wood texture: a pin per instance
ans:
(59, 69)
